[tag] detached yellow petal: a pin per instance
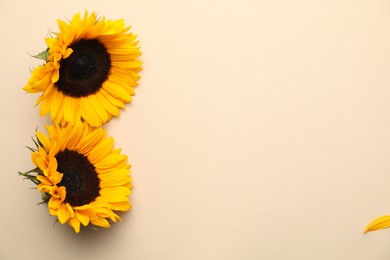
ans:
(378, 223)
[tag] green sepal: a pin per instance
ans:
(42, 55)
(45, 198)
(35, 142)
(32, 177)
(29, 177)
(36, 169)
(92, 226)
(31, 149)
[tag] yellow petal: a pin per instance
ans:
(99, 109)
(54, 203)
(50, 42)
(112, 180)
(54, 148)
(88, 112)
(68, 52)
(75, 223)
(120, 206)
(55, 177)
(70, 109)
(114, 194)
(378, 223)
(114, 217)
(116, 91)
(66, 31)
(75, 23)
(44, 140)
(38, 160)
(44, 180)
(55, 76)
(52, 164)
(83, 217)
(100, 222)
(56, 106)
(101, 150)
(110, 108)
(64, 213)
(46, 105)
(58, 192)
(114, 101)
(91, 140)
(76, 135)
(112, 161)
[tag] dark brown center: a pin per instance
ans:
(79, 177)
(85, 70)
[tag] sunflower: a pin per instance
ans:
(83, 180)
(90, 71)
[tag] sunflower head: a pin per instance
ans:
(90, 70)
(82, 178)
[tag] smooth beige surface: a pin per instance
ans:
(260, 130)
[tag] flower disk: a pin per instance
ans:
(85, 179)
(90, 71)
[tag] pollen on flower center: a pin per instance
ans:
(83, 67)
(79, 177)
(85, 70)
(72, 179)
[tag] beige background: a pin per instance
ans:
(260, 130)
